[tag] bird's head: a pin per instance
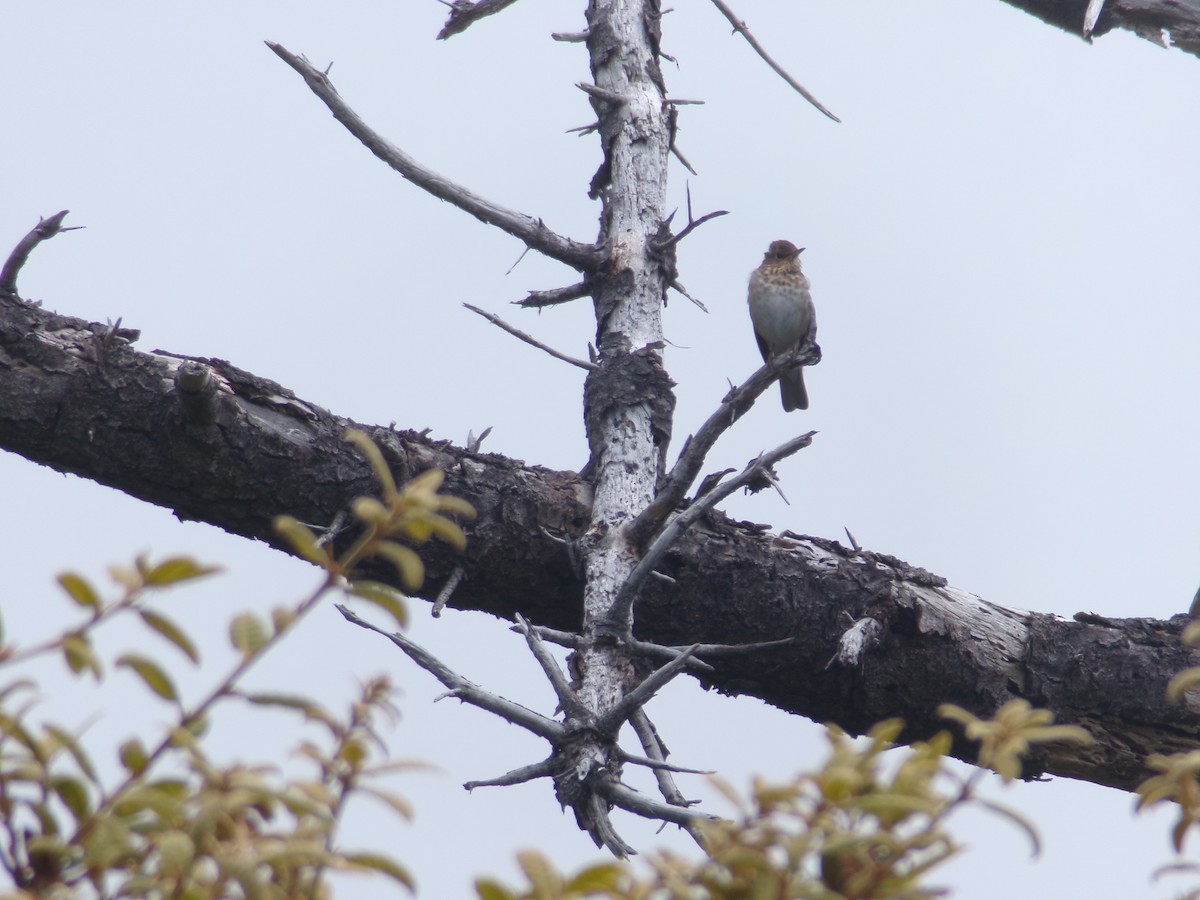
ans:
(781, 251)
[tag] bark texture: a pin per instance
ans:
(79, 398)
(1176, 21)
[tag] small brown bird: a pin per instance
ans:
(781, 310)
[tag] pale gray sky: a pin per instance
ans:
(1001, 238)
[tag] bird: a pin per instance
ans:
(782, 313)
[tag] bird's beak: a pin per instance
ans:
(801, 250)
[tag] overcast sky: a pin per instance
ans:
(1002, 243)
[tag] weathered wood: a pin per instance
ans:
(82, 400)
(1176, 20)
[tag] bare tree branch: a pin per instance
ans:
(1160, 21)
(624, 603)
(43, 231)
(543, 769)
(733, 406)
(611, 721)
(539, 299)
(583, 257)
(460, 687)
(568, 700)
(533, 342)
(740, 27)
(630, 800)
(464, 14)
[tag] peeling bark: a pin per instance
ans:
(79, 399)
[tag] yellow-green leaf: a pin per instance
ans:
(487, 889)
(79, 590)
(369, 510)
(171, 632)
(148, 670)
(543, 877)
(79, 655)
(302, 540)
(379, 466)
(377, 862)
(73, 795)
(133, 756)
(398, 804)
(68, 742)
(247, 634)
(604, 878)
(384, 596)
(1187, 680)
(177, 569)
(406, 561)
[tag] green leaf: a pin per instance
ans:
(487, 889)
(68, 742)
(383, 474)
(310, 708)
(177, 569)
(377, 862)
(79, 655)
(73, 795)
(406, 561)
(133, 756)
(398, 804)
(1187, 680)
(302, 540)
(604, 878)
(79, 590)
(543, 877)
(154, 677)
(382, 595)
(247, 634)
(171, 632)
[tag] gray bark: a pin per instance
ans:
(80, 400)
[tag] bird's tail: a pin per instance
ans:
(791, 387)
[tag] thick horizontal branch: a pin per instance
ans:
(584, 257)
(1156, 20)
(464, 14)
(265, 452)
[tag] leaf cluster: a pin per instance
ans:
(862, 827)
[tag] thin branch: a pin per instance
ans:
(662, 769)
(539, 299)
(623, 605)
(639, 804)
(43, 231)
(679, 287)
(600, 826)
(568, 700)
(570, 37)
(460, 687)
(464, 14)
(583, 257)
(740, 27)
(601, 94)
(543, 769)
(533, 342)
(691, 226)
(611, 721)
(657, 751)
(456, 576)
(733, 406)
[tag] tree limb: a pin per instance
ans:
(1153, 20)
(268, 452)
(583, 257)
(464, 14)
